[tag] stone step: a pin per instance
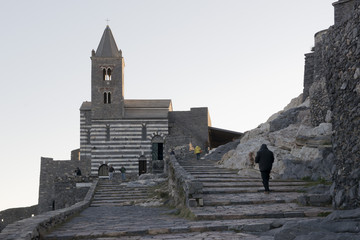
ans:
(249, 198)
(248, 184)
(240, 179)
(119, 191)
(117, 200)
(209, 168)
(216, 175)
(115, 197)
(120, 187)
(113, 204)
(211, 172)
(112, 193)
(225, 190)
(276, 210)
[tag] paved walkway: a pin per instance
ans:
(234, 208)
(153, 223)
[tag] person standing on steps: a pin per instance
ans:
(197, 152)
(265, 159)
(111, 172)
(123, 171)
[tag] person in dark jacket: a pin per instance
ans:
(265, 159)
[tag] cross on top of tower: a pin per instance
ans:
(107, 21)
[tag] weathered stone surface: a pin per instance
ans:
(300, 149)
(285, 119)
(338, 225)
(315, 200)
(219, 152)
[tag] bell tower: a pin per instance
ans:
(107, 79)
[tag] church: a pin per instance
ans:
(134, 133)
(114, 130)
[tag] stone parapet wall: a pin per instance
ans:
(11, 215)
(184, 188)
(338, 71)
(57, 173)
(35, 227)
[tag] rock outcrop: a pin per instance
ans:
(301, 150)
(338, 225)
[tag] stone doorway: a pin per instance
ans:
(103, 171)
(142, 165)
(157, 148)
(157, 154)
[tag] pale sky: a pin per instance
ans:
(244, 60)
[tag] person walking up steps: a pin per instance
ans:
(265, 159)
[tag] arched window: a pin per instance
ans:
(107, 74)
(104, 74)
(107, 97)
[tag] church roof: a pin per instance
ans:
(85, 106)
(148, 103)
(107, 46)
(145, 109)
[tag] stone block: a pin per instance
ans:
(256, 227)
(319, 199)
(303, 200)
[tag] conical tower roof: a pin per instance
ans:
(107, 46)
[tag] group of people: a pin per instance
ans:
(112, 170)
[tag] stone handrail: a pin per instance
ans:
(185, 189)
(32, 228)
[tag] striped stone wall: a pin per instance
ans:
(85, 134)
(120, 142)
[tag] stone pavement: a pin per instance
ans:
(140, 222)
(234, 208)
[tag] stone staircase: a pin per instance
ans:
(116, 193)
(228, 196)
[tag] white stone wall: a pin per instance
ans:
(125, 145)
